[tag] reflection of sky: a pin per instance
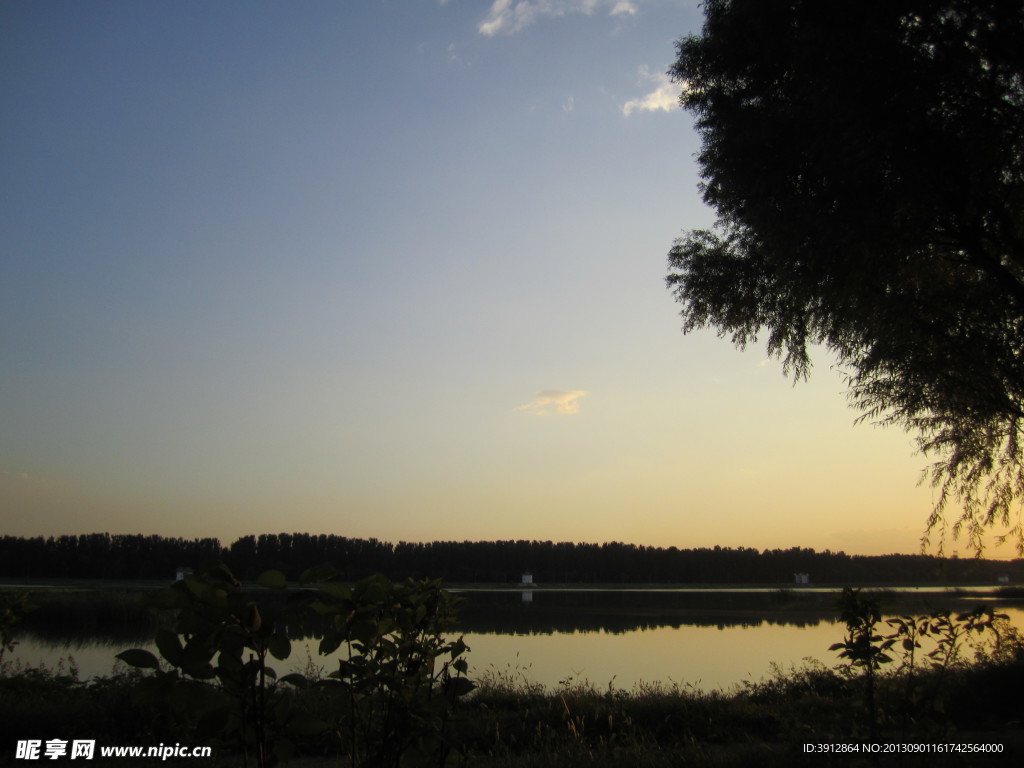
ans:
(92, 659)
(350, 270)
(705, 657)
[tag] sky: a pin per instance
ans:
(388, 269)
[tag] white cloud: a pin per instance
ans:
(664, 98)
(455, 57)
(510, 16)
(554, 401)
(569, 105)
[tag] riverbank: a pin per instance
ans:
(509, 722)
(398, 686)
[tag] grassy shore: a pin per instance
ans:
(509, 721)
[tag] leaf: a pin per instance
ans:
(169, 646)
(318, 573)
(458, 648)
(329, 645)
(253, 620)
(334, 589)
(299, 681)
(220, 571)
(458, 686)
(321, 608)
(364, 630)
(374, 589)
(170, 597)
(279, 646)
(272, 580)
(140, 658)
(229, 665)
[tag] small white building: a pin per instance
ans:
(527, 578)
(1003, 579)
(801, 578)
(182, 572)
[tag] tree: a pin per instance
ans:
(866, 162)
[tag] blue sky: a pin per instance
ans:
(389, 269)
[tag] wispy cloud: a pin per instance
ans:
(664, 98)
(506, 17)
(16, 477)
(554, 401)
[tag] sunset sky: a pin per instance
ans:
(388, 269)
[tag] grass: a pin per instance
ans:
(511, 721)
(758, 724)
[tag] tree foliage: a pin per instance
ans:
(866, 162)
(495, 562)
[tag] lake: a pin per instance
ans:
(710, 639)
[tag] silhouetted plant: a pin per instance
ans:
(393, 700)
(217, 649)
(909, 630)
(949, 635)
(863, 647)
(953, 634)
(388, 702)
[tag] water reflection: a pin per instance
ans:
(710, 639)
(619, 611)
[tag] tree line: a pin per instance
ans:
(106, 556)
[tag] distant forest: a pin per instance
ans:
(103, 556)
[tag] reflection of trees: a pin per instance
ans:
(116, 638)
(89, 618)
(618, 611)
(122, 618)
(98, 618)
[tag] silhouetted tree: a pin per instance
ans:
(156, 557)
(866, 161)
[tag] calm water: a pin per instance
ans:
(707, 639)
